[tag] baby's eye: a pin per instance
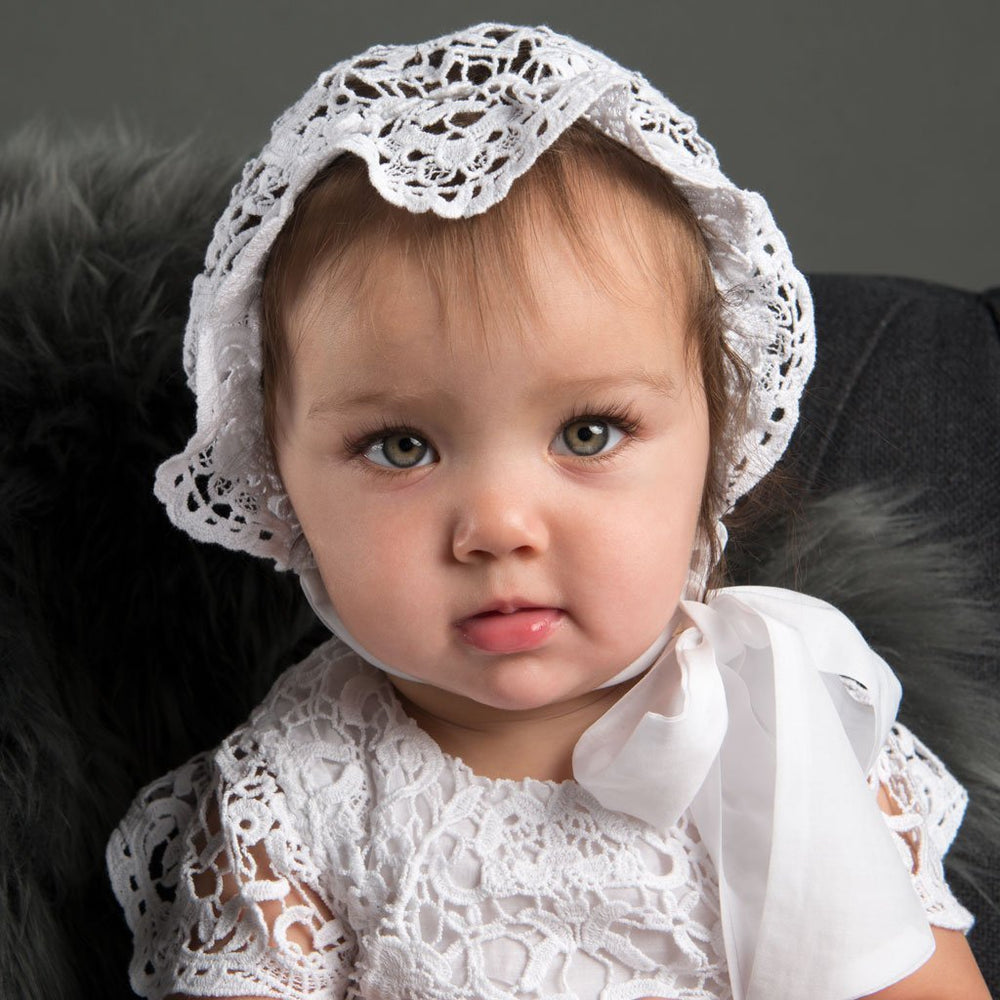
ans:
(587, 436)
(400, 451)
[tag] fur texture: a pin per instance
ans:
(125, 647)
(912, 596)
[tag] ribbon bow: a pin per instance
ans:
(744, 721)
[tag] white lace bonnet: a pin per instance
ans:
(447, 126)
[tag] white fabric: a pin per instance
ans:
(330, 811)
(447, 126)
(748, 708)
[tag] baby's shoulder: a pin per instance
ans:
(296, 772)
(308, 740)
(246, 831)
(312, 747)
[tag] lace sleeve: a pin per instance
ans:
(928, 805)
(220, 893)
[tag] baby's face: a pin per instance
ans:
(507, 514)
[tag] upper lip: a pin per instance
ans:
(505, 606)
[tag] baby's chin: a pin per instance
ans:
(513, 689)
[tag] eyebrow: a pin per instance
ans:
(659, 382)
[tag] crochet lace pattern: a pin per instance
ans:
(447, 127)
(330, 849)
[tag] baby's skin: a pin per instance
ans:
(476, 488)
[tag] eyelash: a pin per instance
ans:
(619, 415)
(357, 445)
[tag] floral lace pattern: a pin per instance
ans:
(448, 126)
(930, 804)
(330, 849)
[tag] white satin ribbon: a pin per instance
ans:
(744, 721)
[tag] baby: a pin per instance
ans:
(485, 349)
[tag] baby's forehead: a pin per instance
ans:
(500, 268)
(413, 340)
(476, 291)
(404, 352)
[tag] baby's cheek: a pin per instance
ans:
(651, 549)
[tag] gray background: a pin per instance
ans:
(872, 127)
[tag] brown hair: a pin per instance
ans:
(341, 220)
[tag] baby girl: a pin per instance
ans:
(485, 350)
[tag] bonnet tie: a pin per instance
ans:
(744, 721)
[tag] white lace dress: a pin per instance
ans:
(330, 849)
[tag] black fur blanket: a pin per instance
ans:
(125, 647)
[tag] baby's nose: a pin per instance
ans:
(499, 521)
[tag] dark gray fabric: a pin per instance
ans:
(906, 392)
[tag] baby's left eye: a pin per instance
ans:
(587, 436)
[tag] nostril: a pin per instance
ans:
(499, 535)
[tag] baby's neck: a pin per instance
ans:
(537, 744)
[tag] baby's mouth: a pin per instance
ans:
(510, 631)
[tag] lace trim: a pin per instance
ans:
(930, 804)
(330, 849)
(448, 126)
(221, 895)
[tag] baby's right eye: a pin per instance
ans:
(402, 450)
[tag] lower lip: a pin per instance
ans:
(511, 633)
